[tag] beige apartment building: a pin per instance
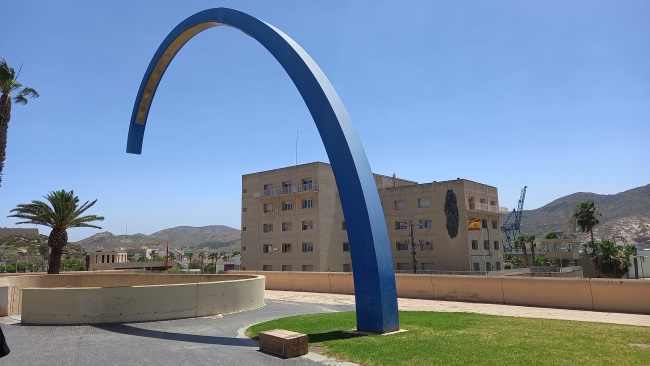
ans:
(292, 220)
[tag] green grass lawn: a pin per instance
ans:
(472, 339)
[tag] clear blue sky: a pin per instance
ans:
(554, 95)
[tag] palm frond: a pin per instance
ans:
(61, 213)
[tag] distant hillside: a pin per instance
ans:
(626, 214)
(208, 237)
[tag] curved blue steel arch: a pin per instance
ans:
(374, 278)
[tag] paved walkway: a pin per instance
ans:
(219, 340)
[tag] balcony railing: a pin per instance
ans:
(485, 207)
(311, 187)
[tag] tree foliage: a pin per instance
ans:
(586, 214)
(551, 235)
(609, 259)
(451, 212)
(9, 84)
(513, 259)
(61, 212)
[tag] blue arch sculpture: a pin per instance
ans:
(374, 278)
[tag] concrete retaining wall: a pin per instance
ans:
(78, 299)
(620, 295)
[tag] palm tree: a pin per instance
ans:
(530, 239)
(153, 254)
(586, 215)
(8, 84)
(189, 256)
(214, 256)
(172, 256)
(520, 242)
(609, 259)
(64, 213)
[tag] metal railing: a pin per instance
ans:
(311, 187)
(487, 208)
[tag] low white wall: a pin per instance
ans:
(85, 305)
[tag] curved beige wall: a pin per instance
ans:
(626, 296)
(79, 299)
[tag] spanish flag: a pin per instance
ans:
(474, 225)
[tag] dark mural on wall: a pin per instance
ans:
(451, 212)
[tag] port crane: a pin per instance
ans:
(511, 229)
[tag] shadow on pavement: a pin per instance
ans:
(192, 338)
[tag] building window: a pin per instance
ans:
(483, 200)
(286, 248)
(347, 267)
(488, 266)
(286, 267)
(268, 186)
(484, 224)
(497, 265)
(307, 247)
(307, 225)
(243, 228)
(401, 246)
(496, 245)
(286, 187)
(400, 225)
(286, 226)
(486, 244)
(267, 267)
(343, 227)
(346, 247)
(404, 266)
(309, 203)
(428, 267)
(307, 267)
(476, 266)
(494, 224)
(427, 245)
(268, 207)
(287, 206)
(244, 190)
(244, 209)
(424, 202)
(307, 182)
(475, 244)
(243, 249)
(425, 224)
(399, 205)
(267, 228)
(267, 248)
(493, 203)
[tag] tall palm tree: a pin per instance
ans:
(586, 214)
(530, 239)
(520, 242)
(214, 256)
(62, 213)
(8, 84)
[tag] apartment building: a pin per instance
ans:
(292, 220)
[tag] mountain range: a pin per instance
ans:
(211, 237)
(625, 214)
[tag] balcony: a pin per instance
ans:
(287, 190)
(473, 206)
